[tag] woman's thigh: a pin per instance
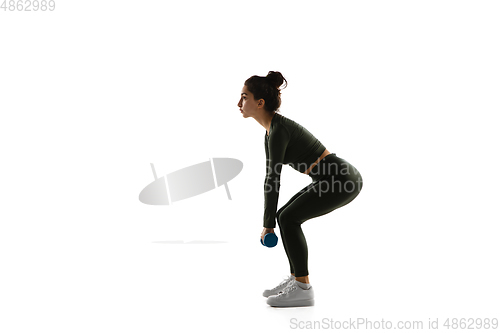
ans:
(318, 198)
(292, 199)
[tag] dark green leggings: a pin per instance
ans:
(335, 183)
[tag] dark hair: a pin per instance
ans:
(267, 88)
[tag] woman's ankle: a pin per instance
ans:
(303, 279)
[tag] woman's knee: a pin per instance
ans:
(278, 214)
(285, 219)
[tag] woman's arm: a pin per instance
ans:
(275, 154)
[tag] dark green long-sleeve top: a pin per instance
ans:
(288, 143)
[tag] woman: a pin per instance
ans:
(334, 184)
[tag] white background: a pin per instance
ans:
(95, 91)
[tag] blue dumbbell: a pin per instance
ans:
(270, 240)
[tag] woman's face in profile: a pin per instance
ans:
(247, 104)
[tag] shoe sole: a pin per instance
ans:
(309, 302)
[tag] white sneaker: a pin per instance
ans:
(279, 287)
(292, 295)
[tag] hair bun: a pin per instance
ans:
(276, 78)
